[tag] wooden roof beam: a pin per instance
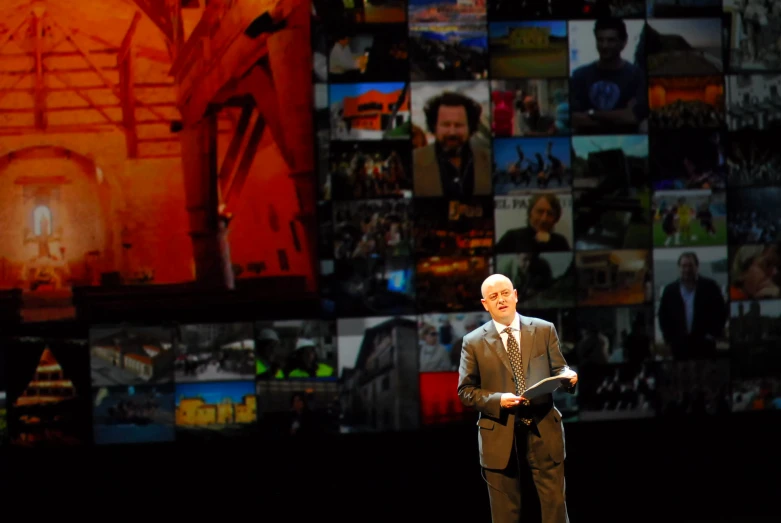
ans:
(64, 79)
(177, 26)
(260, 84)
(19, 130)
(11, 34)
(99, 71)
(12, 88)
(159, 13)
(127, 100)
(232, 155)
(127, 41)
(231, 197)
(24, 72)
(40, 88)
(58, 54)
(61, 109)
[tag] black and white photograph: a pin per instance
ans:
(214, 352)
(752, 29)
(754, 102)
(753, 159)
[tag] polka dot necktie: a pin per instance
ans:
(516, 360)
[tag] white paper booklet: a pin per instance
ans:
(547, 386)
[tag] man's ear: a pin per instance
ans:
(484, 305)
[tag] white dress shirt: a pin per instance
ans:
(516, 331)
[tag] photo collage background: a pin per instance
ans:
(613, 158)
(597, 153)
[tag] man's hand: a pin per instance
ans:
(568, 382)
(510, 400)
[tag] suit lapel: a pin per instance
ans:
(491, 336)
(527, 342)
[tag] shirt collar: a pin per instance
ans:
(515, 325)
(684, 289)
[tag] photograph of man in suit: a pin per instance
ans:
(455, 165)
(518, 438)
(692, 312)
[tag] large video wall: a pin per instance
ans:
(615, 159)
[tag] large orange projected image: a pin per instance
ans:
(155, 158)
(692, 102)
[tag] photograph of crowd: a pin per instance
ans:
(366, 170)
(372, 229)
(686, 102)
(753, 158)
(754, 215)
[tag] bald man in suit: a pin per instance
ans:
(516, 436)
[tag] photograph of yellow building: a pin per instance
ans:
(530, 49)
(520, 38)
(215, 406)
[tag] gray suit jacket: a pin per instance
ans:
(426, 179)
(486, 373)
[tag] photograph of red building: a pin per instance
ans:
(370, 111)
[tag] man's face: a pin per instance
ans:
(542, 217)
(267, 349)
(609, 44)
(500, 300)
(452, 128)
(531, 108)
(688, 269)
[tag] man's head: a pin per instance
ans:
(453, 118)
(428, 334)
(611, 37)
(298, 401)
(544, 212)
(688, 266)
(267, 343)
(499, 298)
(306, 350)
(531, 107)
